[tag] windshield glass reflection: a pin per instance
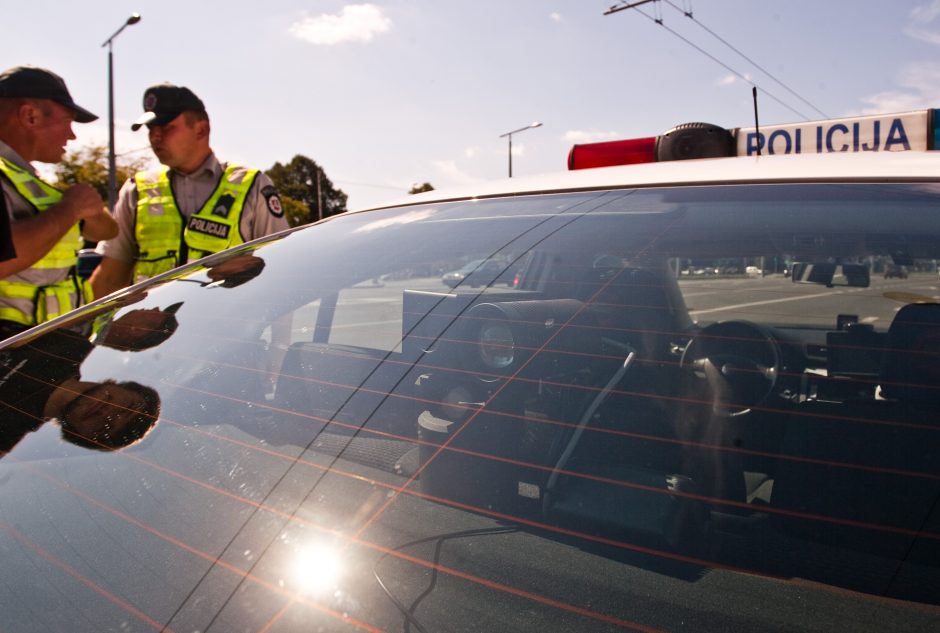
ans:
(529, 414)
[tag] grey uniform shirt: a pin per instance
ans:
(262, 214)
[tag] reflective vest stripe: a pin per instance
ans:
(162, 239)
(31, 303)
(47, 302)
(42, 195)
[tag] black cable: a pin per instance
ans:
(689, 15)
(406, 611)
(722, 64)
(726, 66)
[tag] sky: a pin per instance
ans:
(386, 94)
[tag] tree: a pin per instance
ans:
(90, 165)
(416, 188)
(305, 191)
(297, 212)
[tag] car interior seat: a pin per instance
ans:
(864, 475)
(911, 369)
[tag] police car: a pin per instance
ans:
(598, 438)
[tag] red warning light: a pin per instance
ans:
(628, 152)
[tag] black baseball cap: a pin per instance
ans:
(30, 82)
(165, 102)
(126, 333)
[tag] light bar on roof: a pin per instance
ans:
(606, 154)
(905, 131)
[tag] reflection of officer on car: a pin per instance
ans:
(192, 207)
(41, 381)
(232, 272)
(47, 224)
(138, 329)
(236, 270)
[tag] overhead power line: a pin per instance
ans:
(624, 6)
(688, 13)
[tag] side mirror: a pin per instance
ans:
(829, 274)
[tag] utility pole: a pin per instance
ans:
(509, 134)
(319, 193)
(112, 169)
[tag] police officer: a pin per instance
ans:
(39, 281)
(42, 381)
(193, 206)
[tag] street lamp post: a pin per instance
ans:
(509, 134)
(112, 173)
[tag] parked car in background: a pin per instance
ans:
(479, 272)
(270, 439)
(894, 271)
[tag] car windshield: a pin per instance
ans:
(707, 407)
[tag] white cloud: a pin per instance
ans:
(927, 12)
(923, 15)
(918, 83)
(919, 89)
(931, 37)
(452, 174)
(589, 136)
(555, 16)
(354, 23)
(471, 152)
(727, 80)
(731, 79)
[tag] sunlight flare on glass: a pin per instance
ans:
(317, 567)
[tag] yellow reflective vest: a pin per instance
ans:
(60, 290)
(165, 242)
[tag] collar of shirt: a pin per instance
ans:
(191, 191)
(210, 168)
(11, 155)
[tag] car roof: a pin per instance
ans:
(901, 166)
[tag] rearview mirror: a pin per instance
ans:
(830, 274)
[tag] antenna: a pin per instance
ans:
(756, 126)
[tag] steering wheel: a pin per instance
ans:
(739, 359)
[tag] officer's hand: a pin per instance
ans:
(83, 201)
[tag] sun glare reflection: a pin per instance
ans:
(318, 567)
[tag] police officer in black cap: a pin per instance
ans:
(193, 206)
(47, 224)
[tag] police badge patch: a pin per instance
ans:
(208, 227)
(223, 206)
(274, 203)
